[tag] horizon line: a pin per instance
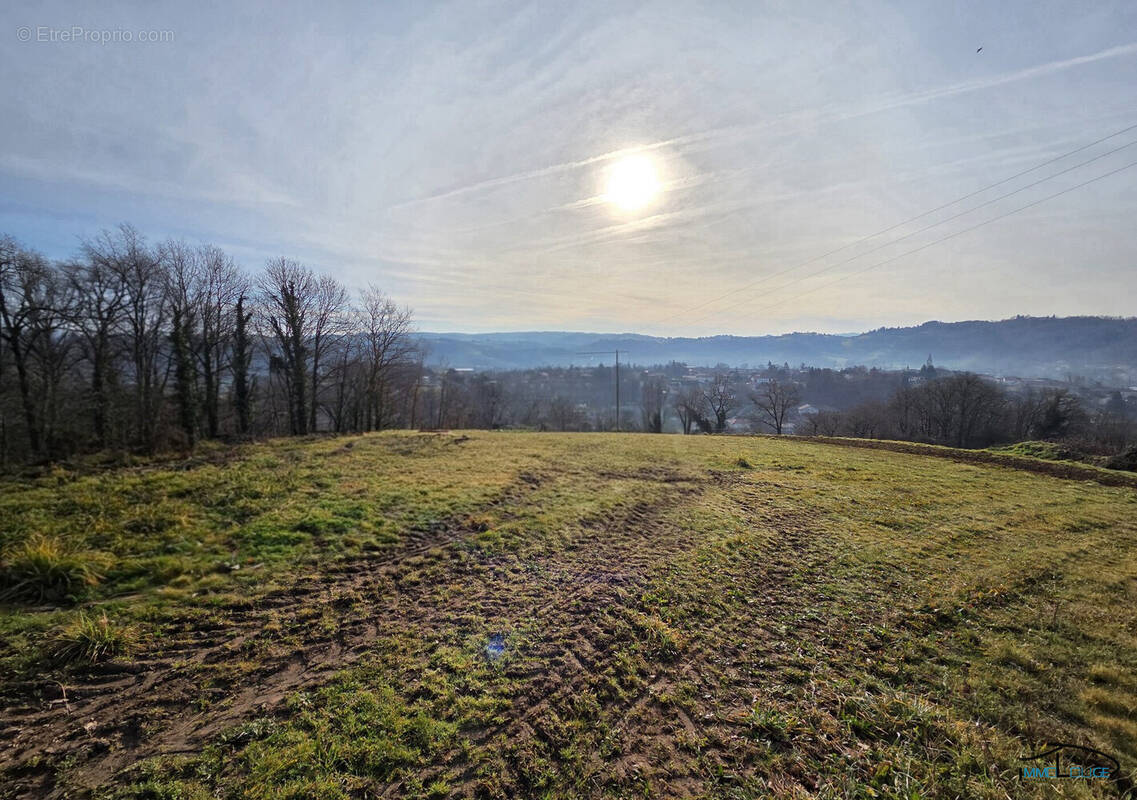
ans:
(524, 331)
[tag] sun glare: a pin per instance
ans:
(632, 183)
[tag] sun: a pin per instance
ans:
(632, 183)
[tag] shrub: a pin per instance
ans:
(1047, 451)
(89, 640)
(1126, 460)
(42, 570)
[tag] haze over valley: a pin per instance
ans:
(1093, 348)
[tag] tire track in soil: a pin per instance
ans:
(565, 606)
(574, 649)
(718, 660)
(649, 729)
(646, 730)
(604, 565)
(139, 707)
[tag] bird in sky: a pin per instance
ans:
(980, 50)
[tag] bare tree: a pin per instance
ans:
(222, 285)
(344, 406)
(328, 323)
(868, 420)
(689, 407)
(823, 423)
(183, 282)
(773, 401)
(418, 372)
(904, 408)
(34, 302)
(488, 401)
(721, 399)
(127, 328)
(287, 300)
(651, 402)
(563, 414)
(101, 302)
(54, 353)
(241, 363)
(1113, 425)
(970, 407)
(387, 346)
(961, 410)
(142, 274)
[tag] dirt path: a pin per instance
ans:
(1057, 469)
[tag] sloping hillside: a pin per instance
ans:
(563, 616)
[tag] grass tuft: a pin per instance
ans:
(89, 640)
(41, 570)
(1011, 655)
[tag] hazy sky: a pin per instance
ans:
(456, 154)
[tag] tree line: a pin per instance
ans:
(967, 410)
(938, 406)
(139, 346)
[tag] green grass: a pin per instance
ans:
(88, 640)
(40, 569)
(682, 616)
(1047, 451)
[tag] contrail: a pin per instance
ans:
(549, 170)
(901, 101)
(1011, 77)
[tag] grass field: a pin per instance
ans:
(501, 615)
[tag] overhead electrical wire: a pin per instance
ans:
(986, 188)
(925, 246)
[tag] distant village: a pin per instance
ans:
(803, 400)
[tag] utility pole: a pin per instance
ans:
(617, 354)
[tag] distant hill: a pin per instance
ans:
(1098, 348)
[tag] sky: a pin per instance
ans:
(460, 155)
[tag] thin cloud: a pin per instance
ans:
(805, 118)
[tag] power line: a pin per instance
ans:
(918, 231)
(930, 244)
(890, 228)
